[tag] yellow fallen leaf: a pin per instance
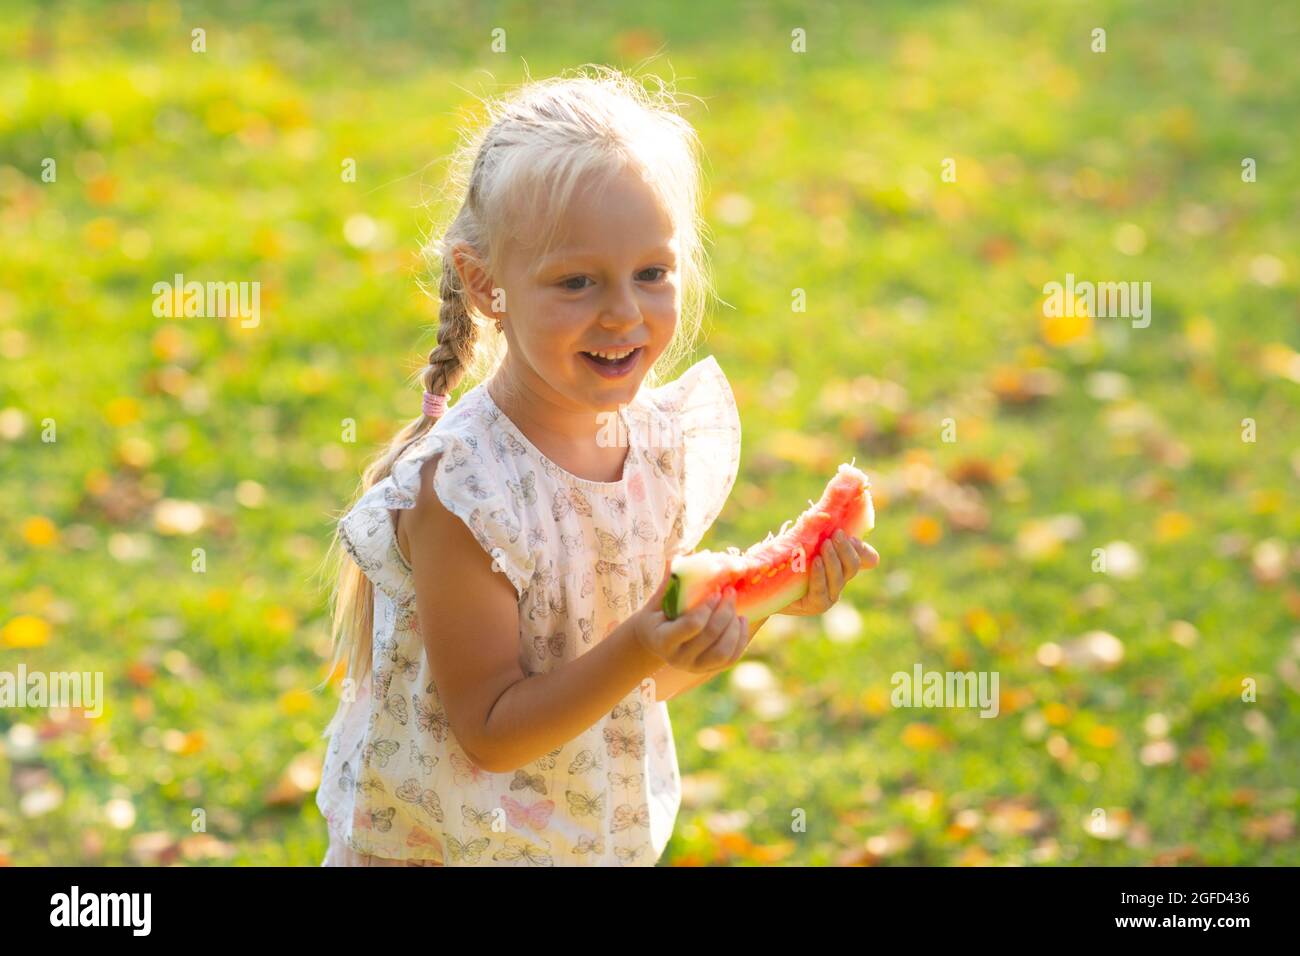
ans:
(926, 531)
(122, 411)
(1061, 330)
(918, 736)
(1056, 714)
(1103, 736)
(25, 630)
(295, 701)
(40, 532)
(280, 619)
(1266, 501)
(1172, 525)
(875, 701)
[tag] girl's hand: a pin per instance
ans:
(842, 557)
(708, 638)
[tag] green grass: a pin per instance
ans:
(226, 165)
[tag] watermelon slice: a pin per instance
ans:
(775, 571)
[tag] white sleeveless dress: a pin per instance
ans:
(582, 555)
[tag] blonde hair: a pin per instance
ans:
(523, 166)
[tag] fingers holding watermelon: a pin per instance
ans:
(707, 638)
(715, 644)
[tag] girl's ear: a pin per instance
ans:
(474, 279)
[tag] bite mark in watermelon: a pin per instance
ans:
(767, 576)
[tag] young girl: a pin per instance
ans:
(508, 660)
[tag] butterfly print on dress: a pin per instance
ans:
(547, 604)
(425, 761)
(636, 487)
(613, 554)
(379, 751)
(466, 771)
(535, 815)
(471, 852)
(617, 600)
(590, 844)
(543, 576)
(644, 529)
(554, 644)
(507, 521)
(585, 761)
(429, 720)
(406, 616)
(475, 487)
(407, 665)
(582, 804)
(412, 792)
(573, 543)
(628, 855)
(394, 498)
(547, 761)
(473, 817)
(385, 649)
(662, 463)
(370, 784)
(458, 455)
(395, 707)
(625, 781)
(631, 709)
(505, 444)
(524, 491)
(619, 741)
(381, 820)
(626, 817)
(523, 780)
(567, 500)
(517, 850)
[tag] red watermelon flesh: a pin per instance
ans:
(775, 571)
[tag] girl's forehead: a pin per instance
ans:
(626, 219)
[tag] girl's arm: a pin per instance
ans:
(670, 682)
(469, 616)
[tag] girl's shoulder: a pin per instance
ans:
(477, 460)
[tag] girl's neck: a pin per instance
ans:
(565, 436)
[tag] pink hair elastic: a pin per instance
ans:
(435, 405)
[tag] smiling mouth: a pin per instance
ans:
(613, 367)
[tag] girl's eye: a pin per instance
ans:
(568, 283)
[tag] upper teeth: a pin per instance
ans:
(613, 355)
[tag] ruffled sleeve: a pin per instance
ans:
(701, 410)
(466, 486)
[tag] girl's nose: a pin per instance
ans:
(621, 308)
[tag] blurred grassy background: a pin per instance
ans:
(924, 304)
